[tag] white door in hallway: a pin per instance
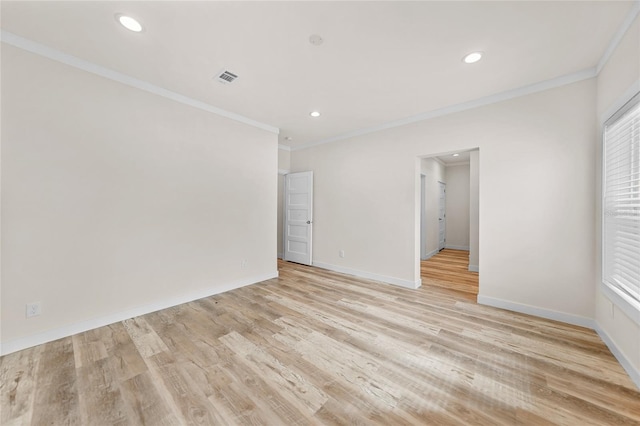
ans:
(298, 222)
(442, 216)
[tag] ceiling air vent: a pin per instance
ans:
(225, 76)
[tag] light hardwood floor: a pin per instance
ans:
(449, 269)
(316, 347)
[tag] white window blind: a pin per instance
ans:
(621, 203)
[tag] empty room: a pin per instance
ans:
(295, 213)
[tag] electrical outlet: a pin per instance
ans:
(34, 309)
(341, 253)
(244, 263)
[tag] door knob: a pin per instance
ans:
(308, 222)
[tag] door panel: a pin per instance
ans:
(298, 217)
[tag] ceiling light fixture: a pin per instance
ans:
(472, 57)
(129, 23)
(288, 139)
(314, 114)
(456, 155)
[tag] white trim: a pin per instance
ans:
(82, 326)
(633, 373)
(498, 97)
(439, 161)
(622, 302)
(474, 268)
(487, 100)
(283, 171)
(370, 276)
(431, 254)
(538, 312)
(73, 61)
(284, 147)
(617, 38)
(620, 102)
(454, 247)
(458, 163)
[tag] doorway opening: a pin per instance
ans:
(449, 221)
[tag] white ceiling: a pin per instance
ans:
(463, 157)
(380, 61)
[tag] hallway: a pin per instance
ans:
(449, 269)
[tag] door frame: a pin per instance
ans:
(423, 216)
(442, 207)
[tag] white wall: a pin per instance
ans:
(434, 172)
(117, 201)
(617, 82)
(536, 187)
(457, 206)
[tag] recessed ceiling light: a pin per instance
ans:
(129, 23)
(456, 155)
(314, 114)
(472, 57)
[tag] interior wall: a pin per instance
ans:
(536, 189)
(434, 171)
(617, 82)
(117, 201)
(457, 206)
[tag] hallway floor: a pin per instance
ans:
(449, 269)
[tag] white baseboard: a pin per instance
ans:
(633, 372)
(430, 254)
(82, 326)
(280, 256)
(474, 268)
(370, 276)
(454, 247)
(538, 312)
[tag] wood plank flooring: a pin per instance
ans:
(449, 269)
(316, 347)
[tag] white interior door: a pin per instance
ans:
(298, 220)
(442, 216)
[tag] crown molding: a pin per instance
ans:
(617, 38)
(499, 97)
(487, 100)
(73, 61)
(620, 101)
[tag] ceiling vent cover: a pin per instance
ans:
(225, 76)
